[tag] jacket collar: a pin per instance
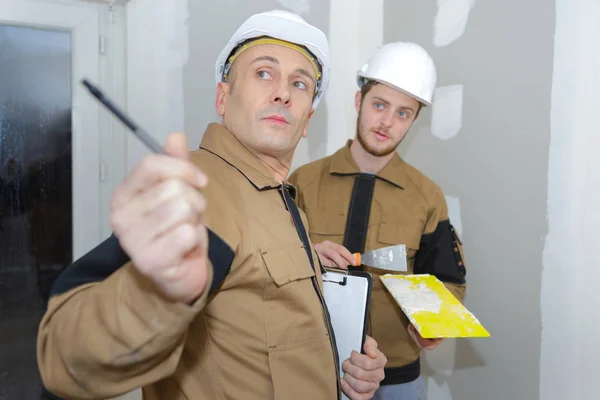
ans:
(395, 172)
(221, 142)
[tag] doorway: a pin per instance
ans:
(50, 155)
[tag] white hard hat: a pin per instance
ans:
(404, 66)
(286, 26)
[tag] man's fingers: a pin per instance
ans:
(168, 249)
(360, 388)
(177, 146)
(370, 347)
(330, 251)
(351, 393)
(324, 255)
(152, 199)
(345, 253)
(339, 260)
(325, 261)
(342, 251)
(366, 362)
(155, 168)
(361, 370)
(146, 222)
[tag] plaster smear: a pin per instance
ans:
(414, 298)
(446, 116)
(300, 7)
(451, 21)
(455, 214)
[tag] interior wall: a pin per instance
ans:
(569, 299)
(486, 143)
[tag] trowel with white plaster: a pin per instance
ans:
(392, 258)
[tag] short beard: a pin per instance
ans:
(363, 142)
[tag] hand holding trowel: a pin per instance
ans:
(392, 258)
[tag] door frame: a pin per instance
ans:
(83, 21)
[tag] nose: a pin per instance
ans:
(281, 94)
(388, 119)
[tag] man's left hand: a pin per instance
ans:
(363, 372)
(428, 344)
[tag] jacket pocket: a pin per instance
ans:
(287, 263)
(325, 223)
(304, 370)
(297, 338)
(394, 232)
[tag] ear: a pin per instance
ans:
(305, 133)
(357, 101)
(221, 97)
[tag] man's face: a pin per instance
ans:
(268, 101)
(384, 117)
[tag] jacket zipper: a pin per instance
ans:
(323, 304)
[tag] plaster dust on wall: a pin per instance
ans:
(451, 20)
(447, 111)
(454, 214)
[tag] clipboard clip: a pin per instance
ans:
(344, 280)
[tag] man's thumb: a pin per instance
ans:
(370, 347)
(177, 145)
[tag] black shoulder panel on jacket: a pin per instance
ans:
(106, 258)
(439, 255)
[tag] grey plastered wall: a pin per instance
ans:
(210, 27)
(497, 166)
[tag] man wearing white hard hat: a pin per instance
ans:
(209, 287)
(365, 197)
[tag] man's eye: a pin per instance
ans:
(379, 105)
(263, 75)
(300, 85)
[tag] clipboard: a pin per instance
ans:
(347, 297)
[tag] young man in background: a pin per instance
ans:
(364, 197)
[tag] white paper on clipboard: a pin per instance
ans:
(347, 296)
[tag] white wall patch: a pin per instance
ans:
(300, 7)
(446, 116)
(454, 214)
(451, 20)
